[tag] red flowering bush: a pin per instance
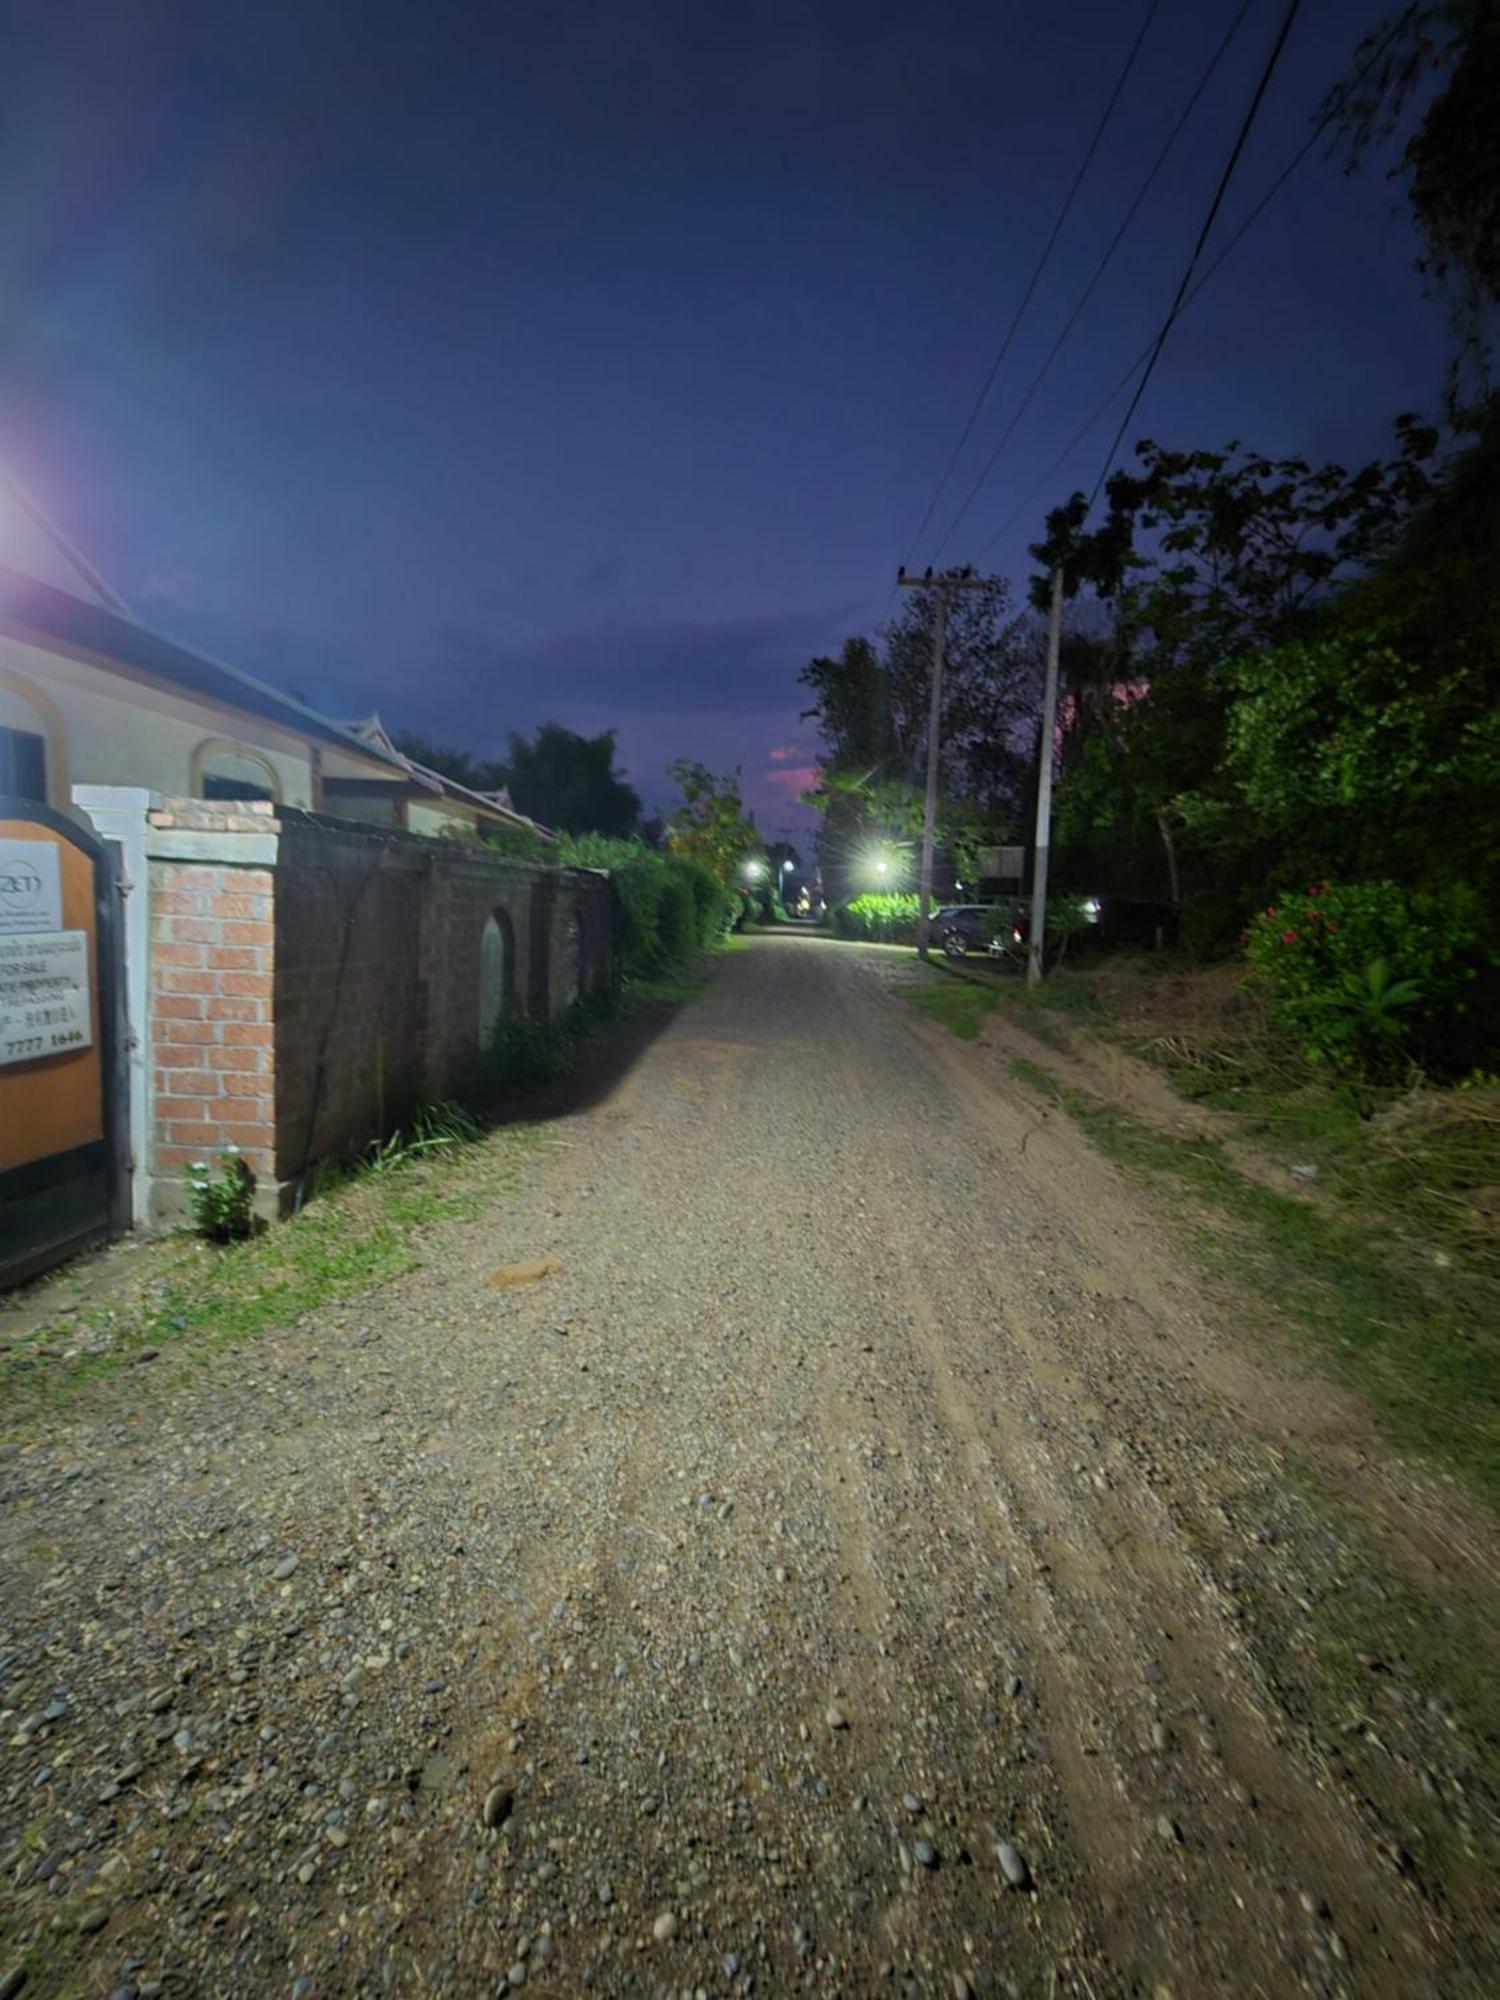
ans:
(1367, 972)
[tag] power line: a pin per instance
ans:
(1203, 234)
(1099, 270)
(1032, 283)
(1253, 216)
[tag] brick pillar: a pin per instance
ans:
(212, 967)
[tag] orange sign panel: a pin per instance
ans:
(51, 1097)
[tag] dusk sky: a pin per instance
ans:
(597, 362)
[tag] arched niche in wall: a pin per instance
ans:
(497, 972)
(572, 956)
(223, 769)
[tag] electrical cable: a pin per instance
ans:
(1099, 270)
(1233, 243)
(1010, 333)
(1203, 234)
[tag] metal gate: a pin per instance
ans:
(64, 1143)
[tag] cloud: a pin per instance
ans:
(793, 778)
(787, 753)
(736, 664)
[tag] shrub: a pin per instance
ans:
(1367, 974)
(666, 906)
(526, 1049)
(881, 919)
(714, 907)
(224, 1207)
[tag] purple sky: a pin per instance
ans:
(597, 362)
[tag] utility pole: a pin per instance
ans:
(940, 586)
(1038, 936)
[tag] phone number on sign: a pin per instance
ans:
(17, 1048)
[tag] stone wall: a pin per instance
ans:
(311, 979)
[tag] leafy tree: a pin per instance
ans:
(992, 668)
(570, 782)
(565, 780)
(1202, 552)
(1429, 77)
(711, 825)
(851, 705)
(1201, 558)
(1369, 743)
(1352, 754)
(480, 774)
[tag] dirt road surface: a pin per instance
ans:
(867, 1563)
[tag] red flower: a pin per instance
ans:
(1310, 916)
(1288, 937)
(1333, 923)
(1244, 937)
(1270, 909)
(1316, 888)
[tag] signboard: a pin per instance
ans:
(44, 995)
(30, 887)
(1004, 864)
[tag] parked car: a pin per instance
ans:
(964, 927)
(1002, 930)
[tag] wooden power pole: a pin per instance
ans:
(940, 586)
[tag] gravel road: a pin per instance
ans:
(863, 1565)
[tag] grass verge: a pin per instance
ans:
(959, 995)
(1420, 1161)
(188, 1299)
(1424, 1349)
(954, 1002)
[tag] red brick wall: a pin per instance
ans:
(299, 1009)
(212, 1038)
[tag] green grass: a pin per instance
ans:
(1042, 1081)
(954, 1002)
(959, 995)
(1424, 1347)
(189, 1299)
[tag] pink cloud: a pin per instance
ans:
(787, 753)
(793, 778)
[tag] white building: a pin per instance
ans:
(89, 696)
